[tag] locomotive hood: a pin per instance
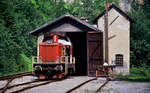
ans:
(64, 42)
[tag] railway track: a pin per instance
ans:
(5, 87)
(16, 85)
(10, 78)
(100, 88)
(82, 84)
(35, 83)
(21, 86)
(29, 85)
(32, 86)
(15, 76)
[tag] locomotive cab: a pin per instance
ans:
(55, 58)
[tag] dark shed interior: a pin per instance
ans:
(79, 41)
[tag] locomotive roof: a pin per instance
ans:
(67, 18)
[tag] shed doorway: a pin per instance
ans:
(79, 41)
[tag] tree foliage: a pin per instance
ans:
(140, 32)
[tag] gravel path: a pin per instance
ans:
(126, 87)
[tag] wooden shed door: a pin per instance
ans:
(95, 52)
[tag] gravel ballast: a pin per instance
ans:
(126, 87)
(59, 86)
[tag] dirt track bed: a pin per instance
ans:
(60, 86)
(63, 86)
(126, 87)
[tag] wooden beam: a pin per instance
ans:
(106, 34)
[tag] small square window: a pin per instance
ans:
(119, 60)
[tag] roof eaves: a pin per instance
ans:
(47, 24)
(36, 31)
(84, 23)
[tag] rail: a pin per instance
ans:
(33, 86)
(78, 86)
(15, 75)
(10, 78)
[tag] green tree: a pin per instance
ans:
(140, 32)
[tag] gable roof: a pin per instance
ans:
(119, 10)
(64, 18)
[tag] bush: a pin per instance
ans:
(25, 63)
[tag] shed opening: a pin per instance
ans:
(79, 41)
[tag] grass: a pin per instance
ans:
(137, 74)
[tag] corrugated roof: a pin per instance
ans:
(119, 10)
(70, 17)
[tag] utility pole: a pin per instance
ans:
(106, 50)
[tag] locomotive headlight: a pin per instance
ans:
(38, 68)
(59, 67)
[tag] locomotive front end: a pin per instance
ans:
(55, 58)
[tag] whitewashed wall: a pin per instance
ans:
(119, 39)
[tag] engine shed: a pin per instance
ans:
(87, 41)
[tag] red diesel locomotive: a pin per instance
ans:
(55, 58)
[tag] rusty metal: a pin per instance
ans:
(106, 71)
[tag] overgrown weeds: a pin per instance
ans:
(137, 74)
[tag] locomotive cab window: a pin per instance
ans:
(119, 60)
